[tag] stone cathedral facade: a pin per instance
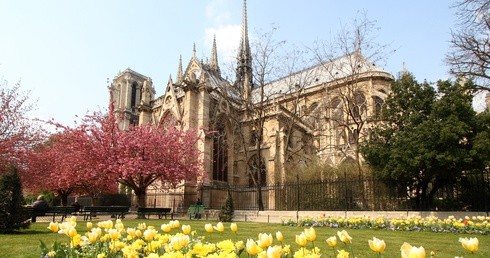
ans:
(252, 133)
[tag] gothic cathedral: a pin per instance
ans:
(254, 133)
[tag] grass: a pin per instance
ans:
(26, 242)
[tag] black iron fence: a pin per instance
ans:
(471, 192)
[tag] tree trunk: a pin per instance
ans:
(140, 198)
(64, 199)
(259, 198)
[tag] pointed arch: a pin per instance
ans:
(348, 160)
(359, 106)
(168, 120)
(220, 149)
(378, 103)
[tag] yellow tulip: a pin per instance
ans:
(114, 234)
(174, 224)
(92, 237)
(89, 225)
(72, 232)
(342, 254)
(226, 246)
(262, 254)
(166, 228)
(408, 251)
(76, 240)
(301, 239)
(54, 226)
(279, 236)
(344, 237)
(332, 241)
(142, 226)
(265, 240)
(377, 245)
(179, 241)
(310, 234)
(234, 227)
(470, 244)
(208, 228)
(186, 229)
(239, 245)
(149, 234)
(138, 233)
(97, 231)
(252, 248)
(220, 227)
(274, 252)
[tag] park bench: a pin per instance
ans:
(117, 212)
(195, 211)
(160, 212)
(54, 211)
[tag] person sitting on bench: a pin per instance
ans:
(39, 207)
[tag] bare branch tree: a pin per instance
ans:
(469, 56)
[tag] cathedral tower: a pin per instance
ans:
(131, 92)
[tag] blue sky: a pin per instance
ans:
(64, 51)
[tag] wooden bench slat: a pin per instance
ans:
(160, 212)
(117, 211)
(64, 211)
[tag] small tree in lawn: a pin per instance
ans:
(11, 200)
(226, 212)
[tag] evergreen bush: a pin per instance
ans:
(227, 210)
(12, 217)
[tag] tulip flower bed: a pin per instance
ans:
(158, 238)
(473, 225)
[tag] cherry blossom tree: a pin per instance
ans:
(147, 154)
(66, 165)
(96, 155)
(17, 131)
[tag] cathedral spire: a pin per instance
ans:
(179, 72)
(214, 57)
(244, 65)
(244, 56)
(194, 50)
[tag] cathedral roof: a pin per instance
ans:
(339, 68)
(128, 70)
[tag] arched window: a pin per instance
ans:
(257, 170)
(168, 120)
(378, 106)
(134, 118)
(337, 117)
(220, 153)
(134, 92)
(336, 111)
(358, 105)
(313, 115)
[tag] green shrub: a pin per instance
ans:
(12, 216)
(226, 212)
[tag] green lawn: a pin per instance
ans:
(26, 243)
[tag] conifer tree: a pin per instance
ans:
(11, 216)
(226, 212)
